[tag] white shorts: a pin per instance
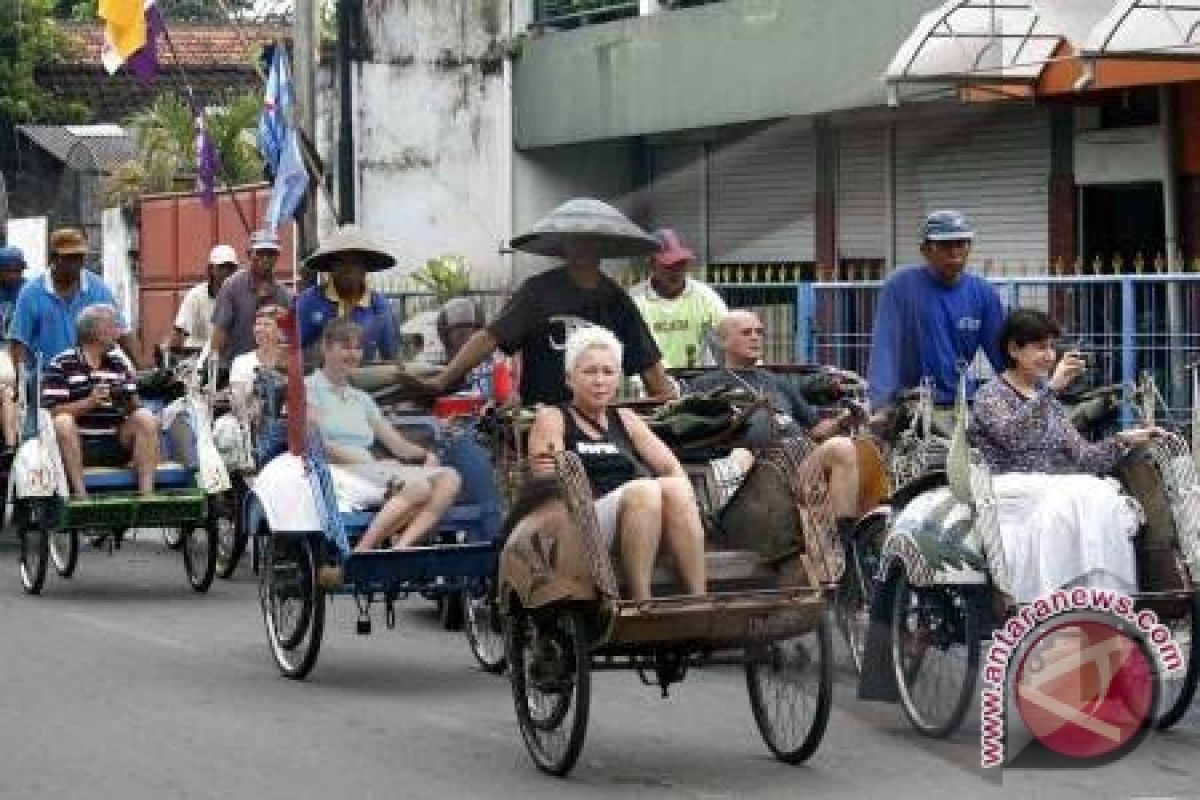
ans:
(608, 515)
(362, 486)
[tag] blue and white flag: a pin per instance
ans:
(291, 183)
(275, 119)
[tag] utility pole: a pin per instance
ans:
(347, 50)
(304, 58)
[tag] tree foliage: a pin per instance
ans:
(166, 143)
(29, 38)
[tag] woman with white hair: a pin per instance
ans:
(639, 486)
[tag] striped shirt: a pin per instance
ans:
(68, 378)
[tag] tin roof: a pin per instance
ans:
(102, 146)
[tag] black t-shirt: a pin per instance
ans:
(794, 414)
(545, 309)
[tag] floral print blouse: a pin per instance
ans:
(1015, 433)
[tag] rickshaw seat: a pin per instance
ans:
(725, 570)
(168, 475)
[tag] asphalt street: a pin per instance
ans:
(122, 684)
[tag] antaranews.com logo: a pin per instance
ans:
(1083, 668)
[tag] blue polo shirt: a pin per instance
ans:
(317, 306)
(44, 321)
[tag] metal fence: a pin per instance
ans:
(1126, 324)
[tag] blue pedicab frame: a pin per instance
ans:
(458, 566)
(49, 522)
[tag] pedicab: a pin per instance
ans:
(770, 561)
(292, 511)
(943, 584)
(50, 522)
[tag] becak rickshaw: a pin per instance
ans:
(50, 521)
(307, 537)
(944, 583)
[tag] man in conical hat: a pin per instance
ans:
(548, 306)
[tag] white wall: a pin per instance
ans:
(433, 131)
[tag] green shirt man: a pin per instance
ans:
(680, 311)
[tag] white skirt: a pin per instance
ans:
(1061, 530)
(362, 486)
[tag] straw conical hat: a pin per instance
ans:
(350, 239)
(584, 216)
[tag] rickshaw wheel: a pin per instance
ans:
(64, 552)
(231, 541)
(1177, 693)
(790, 683)
(35, 554)
(293, 604)
(852, 600)
(552, 692)
(935, 644)
(485, 630)
(200, 555)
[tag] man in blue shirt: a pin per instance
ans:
(933, 318)
(43, 322)
(347, 257)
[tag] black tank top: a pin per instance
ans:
(608, 458)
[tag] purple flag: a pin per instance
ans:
(144, 63)
(208, 163)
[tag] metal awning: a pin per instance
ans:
(1147, 29)
(1007, 43)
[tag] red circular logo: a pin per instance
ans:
(1085, 689)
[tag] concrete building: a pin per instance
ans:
(762, 130)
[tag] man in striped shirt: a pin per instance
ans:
(92, 396)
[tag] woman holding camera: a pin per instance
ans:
(1061, 522)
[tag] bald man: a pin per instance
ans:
(740, 335)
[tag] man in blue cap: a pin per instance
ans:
(12, 278)
(933, 318)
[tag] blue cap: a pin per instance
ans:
(946, 226)
(12, 257)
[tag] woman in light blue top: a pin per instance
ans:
(411, 499)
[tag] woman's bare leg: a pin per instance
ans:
(683, 531)
(639, 524)
(395, 512)
(444, 488)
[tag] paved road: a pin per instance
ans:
(121, 685)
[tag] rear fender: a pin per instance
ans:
(282, 498)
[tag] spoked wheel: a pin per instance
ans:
(550, 671)
(790, 682)
(35, 554)
(485, 630)
(64, 552)
(200, 555)
(1177, 693)
(231, 543)
(293, 604)
(852, 600)
(935, 641)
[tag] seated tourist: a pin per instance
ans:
(268, 353)
(92, 397)
(411, 497)
(740, 335)
(641, 489)
(1074, 527)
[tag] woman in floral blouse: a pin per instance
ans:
(1074, 527)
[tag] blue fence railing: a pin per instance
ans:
(1127, 324)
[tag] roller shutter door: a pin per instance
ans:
(678, 193)
(761, 187)
(994, 167)
(860, 194)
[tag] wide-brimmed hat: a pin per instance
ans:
(68, 242)
(584, 216)
(350, 239)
